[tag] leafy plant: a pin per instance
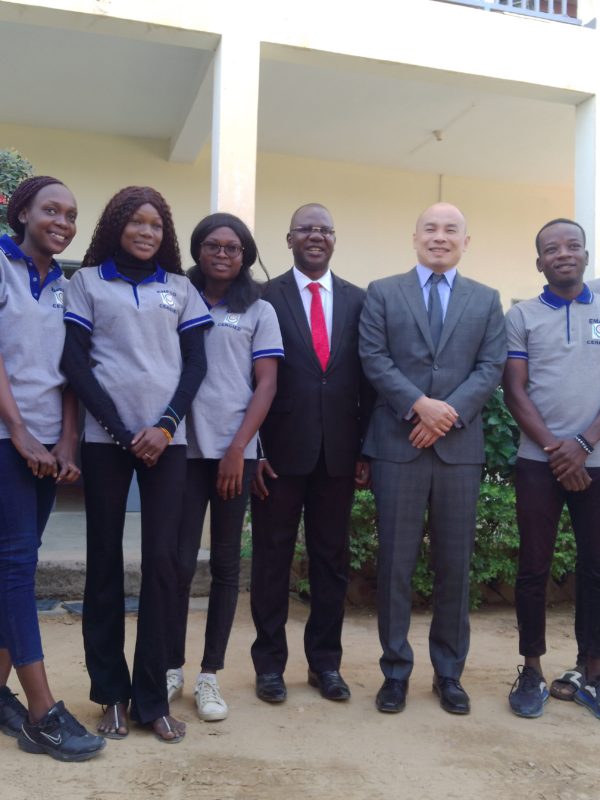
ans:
(13, 169)
(501, 435)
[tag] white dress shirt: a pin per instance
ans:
(326, 292)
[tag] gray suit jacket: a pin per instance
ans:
(399, 360)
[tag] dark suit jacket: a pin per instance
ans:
(312, 409)
(399, 360)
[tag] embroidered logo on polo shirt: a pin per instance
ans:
(168, 300)
(59, 298)
(230, 321)
(595, 323)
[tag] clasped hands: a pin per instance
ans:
(432, 420)
(566, 459)
(58, 462)
(148, 445)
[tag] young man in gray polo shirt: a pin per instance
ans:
(551, 387)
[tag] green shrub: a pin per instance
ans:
(501, 436)
(13, 169)
(496, 547)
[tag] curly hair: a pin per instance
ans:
(22, 197)
(244, 290)
(106, 239)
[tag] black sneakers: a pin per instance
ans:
(12, 712)
(59, 735)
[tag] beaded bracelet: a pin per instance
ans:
(584, 444)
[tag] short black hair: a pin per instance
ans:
(308, 205)
(558, 221)
(244, 290)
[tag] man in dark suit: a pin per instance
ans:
(312, 443)
(433, 346)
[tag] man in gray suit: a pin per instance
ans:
(432, 344)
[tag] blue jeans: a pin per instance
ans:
(25, 505)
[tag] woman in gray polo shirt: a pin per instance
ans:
(134, 354)
(38, 437)
(242, 350)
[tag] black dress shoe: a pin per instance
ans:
(270, 687)
(330, 683)
(453, 697)
(391, 698)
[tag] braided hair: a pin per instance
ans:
(22, 197)
(106, 239)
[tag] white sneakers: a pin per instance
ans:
(174, 684)
(210, 704)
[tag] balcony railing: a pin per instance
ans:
(556, 10)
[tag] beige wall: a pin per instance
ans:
(374, 208)
(95, 166)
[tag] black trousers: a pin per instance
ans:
(327, 504)
(540, 501)
(226, 522)
(107, 471)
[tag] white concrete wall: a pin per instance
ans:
(374, 208)
(419, 32)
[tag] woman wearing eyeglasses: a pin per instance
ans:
(242, 349)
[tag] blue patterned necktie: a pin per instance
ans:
(434, 309)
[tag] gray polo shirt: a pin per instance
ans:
(233, 344)
(135, 331)
(560, 340)
(32, 335)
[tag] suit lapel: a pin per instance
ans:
(458, 300)
(414, 296)
(338, 316)
(289, 290)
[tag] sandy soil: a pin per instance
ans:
(311, 748)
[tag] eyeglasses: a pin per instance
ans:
(305, 230)
(231, 250)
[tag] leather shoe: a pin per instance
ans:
(391, 698)
(270, 687)
(453, 697)
(330, 683)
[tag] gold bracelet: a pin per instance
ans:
(167, 434)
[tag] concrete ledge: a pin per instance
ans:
(65, 578)
(61, 567)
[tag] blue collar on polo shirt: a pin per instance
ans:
(210, 306)
(548, 298)
(108, 272)
(13, 251)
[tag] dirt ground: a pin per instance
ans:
(311, 748)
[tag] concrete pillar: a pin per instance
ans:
(235, 123)
(587, 178)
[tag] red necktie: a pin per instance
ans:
(317, 326)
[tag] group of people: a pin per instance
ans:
(215, 389)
